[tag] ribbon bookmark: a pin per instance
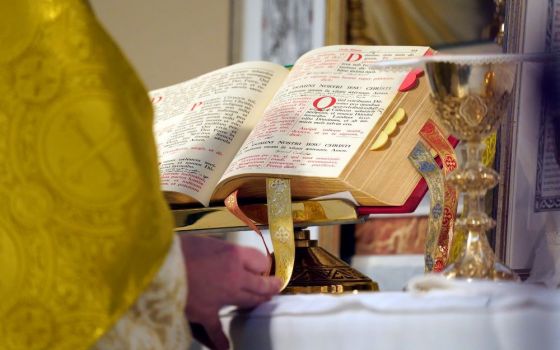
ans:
(233, 207)
(423, 161)
(281, 226)
(433, 135)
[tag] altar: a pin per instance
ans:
(524, 317)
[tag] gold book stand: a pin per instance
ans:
(315, 270)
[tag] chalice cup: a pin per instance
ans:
(471, 96)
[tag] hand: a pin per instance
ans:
(220, 273)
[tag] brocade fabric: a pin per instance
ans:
(84, 227)
(156, 321)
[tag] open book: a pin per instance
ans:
(316, 124)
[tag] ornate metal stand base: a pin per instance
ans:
(318, 271)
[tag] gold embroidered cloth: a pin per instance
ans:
(83, 227)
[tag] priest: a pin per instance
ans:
(87, 253)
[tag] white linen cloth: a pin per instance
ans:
(508, 317)
(391, 272)
(546, 264)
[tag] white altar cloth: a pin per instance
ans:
(391, 272)
(528, 318)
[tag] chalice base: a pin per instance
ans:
(495, 272)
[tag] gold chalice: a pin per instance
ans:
(471, 96)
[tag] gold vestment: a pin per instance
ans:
(84, 227)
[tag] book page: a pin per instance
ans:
(323, 112)
(200, 124)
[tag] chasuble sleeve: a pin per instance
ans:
(84, 227)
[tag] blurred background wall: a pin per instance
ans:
(169, 41)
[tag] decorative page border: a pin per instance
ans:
(547, 167)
